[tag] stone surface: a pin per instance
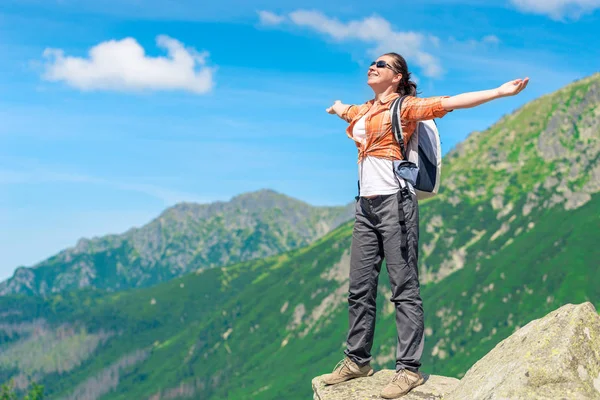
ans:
(554, 357)
(369, 388)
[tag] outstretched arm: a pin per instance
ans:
(344, 111)
(473, 99)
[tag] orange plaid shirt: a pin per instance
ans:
(378, 125)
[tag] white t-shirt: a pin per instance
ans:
(375, 175)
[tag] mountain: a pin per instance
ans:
(182, 239)
(264, 328)
(512, 236)
(498, 183)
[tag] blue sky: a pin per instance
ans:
(186, 101)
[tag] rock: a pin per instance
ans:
(434, 388)
(555, 357)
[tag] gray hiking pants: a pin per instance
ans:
(386, 226)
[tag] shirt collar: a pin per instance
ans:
(387, 98)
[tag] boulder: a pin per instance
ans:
(554, 357)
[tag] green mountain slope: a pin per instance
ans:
(506, 242)
(262, 329)
(184, 238)
(498, 182)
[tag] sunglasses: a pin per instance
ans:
(383, 64)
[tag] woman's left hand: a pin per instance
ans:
(513, 87)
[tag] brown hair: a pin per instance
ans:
(406, 86)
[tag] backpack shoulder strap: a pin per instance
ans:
(395, 113)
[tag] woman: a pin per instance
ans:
(387, 222)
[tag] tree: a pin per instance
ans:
(7, 392)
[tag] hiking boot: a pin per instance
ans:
(403, 382)
(346, 370)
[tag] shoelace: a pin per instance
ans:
(402, 374)
(341, 364)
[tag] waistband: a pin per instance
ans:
(376, 200)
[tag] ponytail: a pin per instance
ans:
(406, 87)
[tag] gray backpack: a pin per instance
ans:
(421, 162)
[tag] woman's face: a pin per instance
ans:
(383, 76)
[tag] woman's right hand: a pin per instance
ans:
(332, 109)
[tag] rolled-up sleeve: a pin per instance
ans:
(350, 112)
(419, 109)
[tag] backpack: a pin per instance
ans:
(422, 159)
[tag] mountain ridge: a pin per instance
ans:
(184, 237)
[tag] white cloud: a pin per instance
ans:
(434, 40)
(123, 65)
(490, 39)
(375, 31)
(269, 18)
(474, 44)
(557, 9)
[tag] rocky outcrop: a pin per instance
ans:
(434, 388)
(554, 357)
